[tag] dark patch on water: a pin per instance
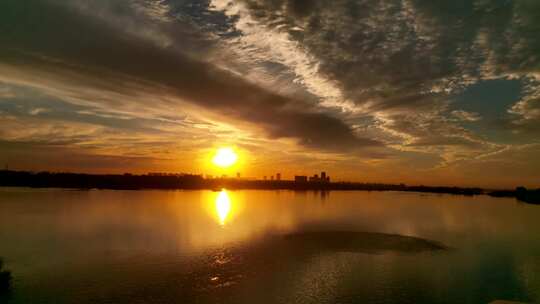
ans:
(365, 242)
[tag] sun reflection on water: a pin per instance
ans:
(223, 206)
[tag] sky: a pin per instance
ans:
(435, 92)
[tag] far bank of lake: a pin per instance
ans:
(197, 182)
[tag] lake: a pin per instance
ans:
(66, 246)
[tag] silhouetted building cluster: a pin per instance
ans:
(323, 178)
(277, 177)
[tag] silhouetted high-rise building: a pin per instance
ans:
(278, 176)
(325, 178)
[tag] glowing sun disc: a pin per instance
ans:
(225, 157)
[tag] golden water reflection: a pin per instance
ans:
(178, 237)
(223, 206)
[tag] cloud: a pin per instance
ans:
(379, 80)
(399, 62)
(115, 57)
(466, 116)
(508, 167)
(38, 156)
(528, 107)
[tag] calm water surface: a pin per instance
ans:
(267, 247)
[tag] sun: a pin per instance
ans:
(225, 157)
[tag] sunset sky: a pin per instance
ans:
(413, 91)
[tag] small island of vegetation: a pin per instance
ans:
(521, 193)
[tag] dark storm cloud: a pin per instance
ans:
(51, 36)
(380, 49)
(396, 47)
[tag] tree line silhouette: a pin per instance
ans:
(5, 278)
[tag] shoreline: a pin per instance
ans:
(196, 182)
